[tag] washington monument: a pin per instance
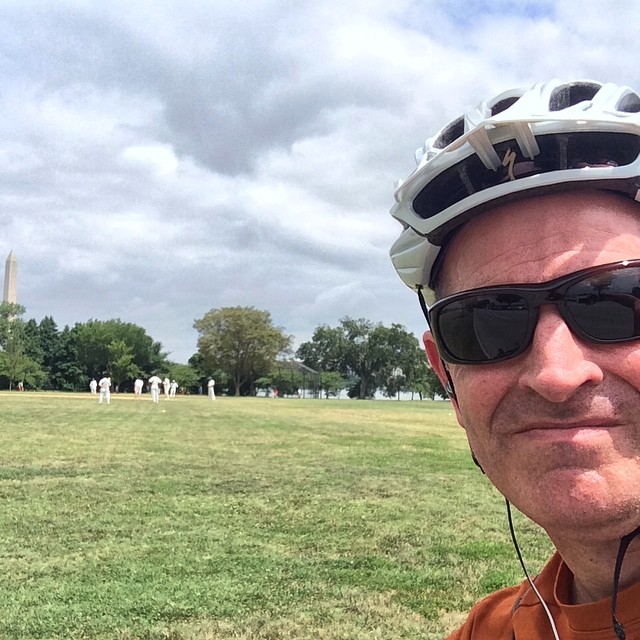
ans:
(10, 293)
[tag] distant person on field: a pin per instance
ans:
(211, 389)
(173, 387)
(166, 385)
(93, 386)
(154, 387)
(105, 390)
(137, 387)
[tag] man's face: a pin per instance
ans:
(557, 429)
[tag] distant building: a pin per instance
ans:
(10, 293)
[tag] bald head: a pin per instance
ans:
(532, 240)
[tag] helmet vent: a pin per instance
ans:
(503, 105)
(568, 95)
(629, 103)
(450, 133)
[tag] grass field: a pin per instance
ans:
(246, 518)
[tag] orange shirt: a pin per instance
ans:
(516, 613)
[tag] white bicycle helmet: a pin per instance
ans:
(554, 136)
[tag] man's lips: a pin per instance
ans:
(590, 422)
(568, 430)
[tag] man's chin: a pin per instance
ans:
(578, 500)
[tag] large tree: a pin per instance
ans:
(66, 372)
(365, 355)
(40, 343)
(365, 351)
(426, 382)
(406, 360)
(15, 365)
(325, 350)
(331, 383)
(31, 342)
(120, 365)
(242, 342)
(10, 317)
(49, 337)
(185, 375)
(99, 346)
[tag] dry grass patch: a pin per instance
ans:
(355, 616)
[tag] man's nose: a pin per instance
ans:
(557, 363)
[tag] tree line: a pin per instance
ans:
(357, 355)
(238, 346)
(41, 356)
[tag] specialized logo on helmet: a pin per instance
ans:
(521, 143)
(509, 161)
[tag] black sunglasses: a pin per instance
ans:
(599, 304)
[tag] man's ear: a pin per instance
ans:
(444, 376)
(434, 358)
(441, 371)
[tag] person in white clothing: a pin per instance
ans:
(93, 386)
(173, 387)
(154, 386)
(105, 390)
(166, 385)
(137, 387)
(211, 389)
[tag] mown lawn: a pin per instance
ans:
(247, 518)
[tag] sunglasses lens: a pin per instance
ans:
(606, 306)
(484, 328)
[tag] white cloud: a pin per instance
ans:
(158, 159)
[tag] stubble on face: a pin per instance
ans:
(566, 461)
(590, 472)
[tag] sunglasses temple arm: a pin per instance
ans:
(423, 304)
(448, 387)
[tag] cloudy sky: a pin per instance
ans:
(162, 158)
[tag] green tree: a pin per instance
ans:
(10, 317)
(204, 371)
(120, 364)
(185, 375)
(434, 386)
(425, 381)
(49, 338)
(15, 365)
(331, 383)
(263, 383)
(363, 355)
(40, 343)
(364, 352)
(396, 382)
(286, 381)
(352, 349)
(241, 342)
(66, 374)
(94, 337)
(31, 341)
(326, 349)
(401, 352)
